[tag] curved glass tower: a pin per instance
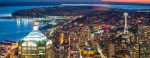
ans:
(34, 45)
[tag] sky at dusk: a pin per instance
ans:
(135, 1)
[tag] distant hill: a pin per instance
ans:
(58, 11)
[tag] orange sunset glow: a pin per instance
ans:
(136, 1)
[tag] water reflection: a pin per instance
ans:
(14, 29)
(18, 23)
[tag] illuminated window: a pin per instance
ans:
(28, 44)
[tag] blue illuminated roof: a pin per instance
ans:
(88, 48)
(35, 35)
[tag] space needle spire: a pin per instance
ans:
(125, 26)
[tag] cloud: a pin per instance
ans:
(50, 0)
(136, 1)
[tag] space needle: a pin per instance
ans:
(125, 26)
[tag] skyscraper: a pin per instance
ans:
(34, 45)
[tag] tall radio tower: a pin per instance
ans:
(125, 26)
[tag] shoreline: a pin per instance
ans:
(62, 10)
